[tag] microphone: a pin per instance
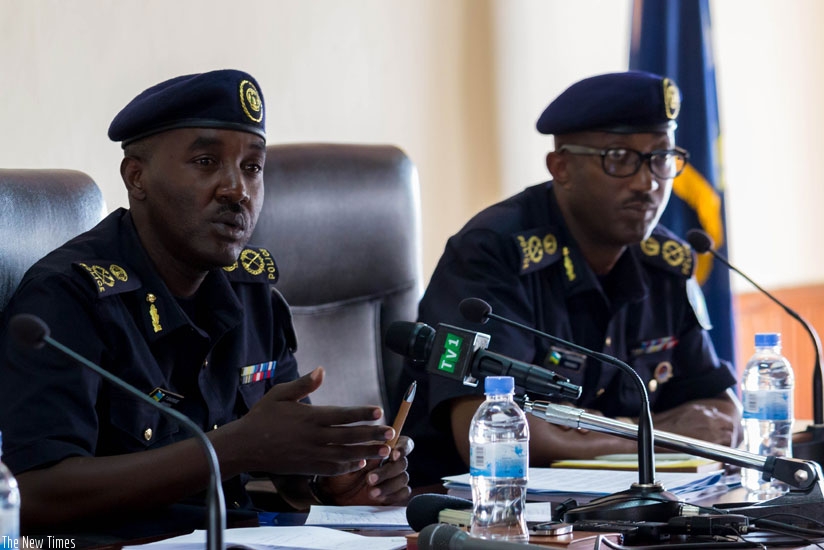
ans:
(814, 450)
(442, 536)
(423, 509)
(647, 500)
(30, 331)
(460, 354)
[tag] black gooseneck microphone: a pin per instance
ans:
(814, 449)
(32, 332)
(645, 501)
(442, 536)
(423, 509)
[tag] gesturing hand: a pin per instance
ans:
(283, 436)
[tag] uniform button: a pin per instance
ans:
(608, 341)
(205, 363)
(147, 434)
(600, 392)
(653, 385)
(214, 427)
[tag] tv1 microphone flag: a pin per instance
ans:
(460, 354)
(811, 444)
(32, 332)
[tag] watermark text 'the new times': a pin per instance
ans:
(42, 542)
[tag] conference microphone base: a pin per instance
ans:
(809, 444)
(638, 503)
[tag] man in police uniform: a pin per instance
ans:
(168, 296)
(581, 257)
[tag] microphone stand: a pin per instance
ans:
(810, 443)
(646, 500)
(216, 502)
(806, 495)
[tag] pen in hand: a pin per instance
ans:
(403, 411)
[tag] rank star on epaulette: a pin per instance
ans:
(107, 277)
(538, 248)
(253, 264)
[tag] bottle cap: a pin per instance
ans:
(767, 339)
(498, 385)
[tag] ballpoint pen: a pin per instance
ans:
(403, 411)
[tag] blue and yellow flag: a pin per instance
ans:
(672, 38)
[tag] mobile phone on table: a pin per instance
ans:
(552, 528)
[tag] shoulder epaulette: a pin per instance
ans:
(254, 265)
(666, 251)
(537, 248)
(107, 277)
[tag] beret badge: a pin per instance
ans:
(250, 101)
(672, 99)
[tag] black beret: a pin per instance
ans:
(227, 99)
(624, 103)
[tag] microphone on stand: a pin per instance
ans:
(424, 509)
(812, 449)
(646, 500)
(32, 332)
(462, 356)
(442, 536)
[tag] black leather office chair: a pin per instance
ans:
(342, 222)
(39, 211)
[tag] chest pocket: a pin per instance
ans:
(139, 426)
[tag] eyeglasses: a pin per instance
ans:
(623, 162)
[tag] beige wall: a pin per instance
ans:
(458, 84)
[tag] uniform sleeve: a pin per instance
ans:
(284, 342)
(47, 401)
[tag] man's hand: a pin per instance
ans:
(283, 436)
(715, 420)
(378, 483)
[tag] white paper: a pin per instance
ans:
(366, 517)
(601, 482)
(268, 538)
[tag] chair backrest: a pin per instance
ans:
(342, 222)
(39, 211)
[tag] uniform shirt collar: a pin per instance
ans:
(160, 312)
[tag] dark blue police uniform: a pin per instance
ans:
(519, 256)
(101, 296)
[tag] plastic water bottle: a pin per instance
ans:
(9, 506)
(767, 397)
(499, 464)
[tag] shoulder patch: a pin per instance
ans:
(537, 248)
(669, 253)
(107, 277)
(254, 265)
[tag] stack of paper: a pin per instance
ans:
(584, 484)
(359, 517)
(664, 462)
(271, 538)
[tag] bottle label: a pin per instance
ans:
(767, 405)
(9, 528)
(506, 459)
